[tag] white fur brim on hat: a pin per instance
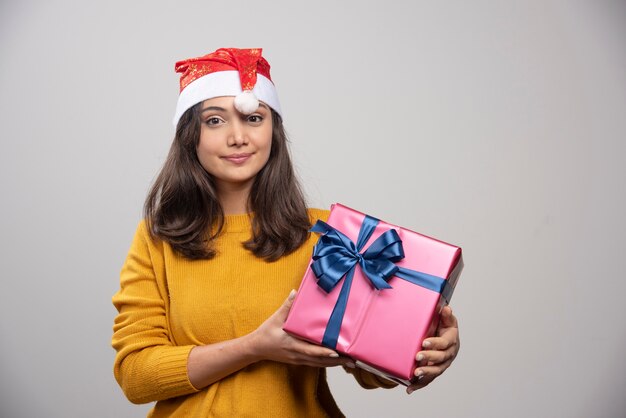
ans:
(224, 83)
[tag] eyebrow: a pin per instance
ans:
(219, 109)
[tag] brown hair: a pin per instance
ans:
(182, 207)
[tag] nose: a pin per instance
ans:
(238, 135)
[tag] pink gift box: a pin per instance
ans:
(382, 330)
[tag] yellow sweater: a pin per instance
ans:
(168, 304)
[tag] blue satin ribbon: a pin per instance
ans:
(336, 256)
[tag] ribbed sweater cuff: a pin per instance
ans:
(172, 373)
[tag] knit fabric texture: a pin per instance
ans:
(168, 304)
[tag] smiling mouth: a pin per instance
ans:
(237, 158)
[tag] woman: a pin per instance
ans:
(224, 240)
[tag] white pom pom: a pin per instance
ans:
(246, 102)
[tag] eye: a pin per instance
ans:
(212, 121)
(255, 118)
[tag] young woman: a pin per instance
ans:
(224, 240)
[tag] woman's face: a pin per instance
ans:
(233, 147)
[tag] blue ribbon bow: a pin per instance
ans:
(336, 256)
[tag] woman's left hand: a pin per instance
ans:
(439, 351)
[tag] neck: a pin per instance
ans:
(234, 198)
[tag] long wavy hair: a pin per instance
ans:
(182, 207)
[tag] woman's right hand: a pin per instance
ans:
(209, 363)
(270, 342)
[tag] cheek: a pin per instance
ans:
(267, 149)
(205, 155)
(267, 141)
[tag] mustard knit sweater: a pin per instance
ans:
(168, 304)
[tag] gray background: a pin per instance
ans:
(494, 125)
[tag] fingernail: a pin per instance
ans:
(426, 344)
(419, 373)
(420, 357)
(409, 390)
(334, 355)
(351, 365)
(292, 294)
(419, 378)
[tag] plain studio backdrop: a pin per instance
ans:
(495, 125)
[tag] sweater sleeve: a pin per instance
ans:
(148, 366)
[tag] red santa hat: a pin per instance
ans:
(242, 73)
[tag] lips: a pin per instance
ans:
(237, 158)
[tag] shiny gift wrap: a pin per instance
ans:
(373, 291)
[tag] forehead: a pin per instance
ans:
(222, 100)
(227, 103)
